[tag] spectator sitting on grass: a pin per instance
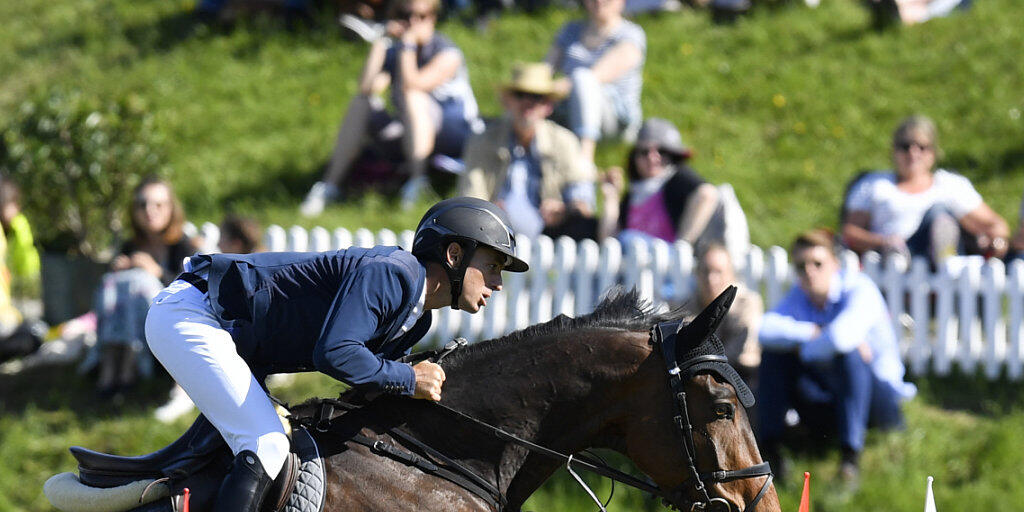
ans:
(530, 166)
(666, 199)
(716, 272)
(920, 211)
(1017, 243)
(431, 93)
(22, 256)
(602, 58)
(829, 351)
(18, 337)
(146, 263)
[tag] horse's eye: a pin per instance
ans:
(724, 410)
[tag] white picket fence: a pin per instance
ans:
(969, 312)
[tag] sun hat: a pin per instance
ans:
(532, 78)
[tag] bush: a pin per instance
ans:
(77, 159)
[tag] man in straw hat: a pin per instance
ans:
(528, 164)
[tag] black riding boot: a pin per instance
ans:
(245, 486)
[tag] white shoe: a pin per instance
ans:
(411, 191)
(316, 199)
(369, 31)
(178, 405)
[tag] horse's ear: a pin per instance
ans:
(709, 319)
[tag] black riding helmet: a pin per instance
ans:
(470, 222)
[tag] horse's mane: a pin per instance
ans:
(621, 309)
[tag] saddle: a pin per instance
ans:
(199, 460)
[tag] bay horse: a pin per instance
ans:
(616, 379)
(597, 381)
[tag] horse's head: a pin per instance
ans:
(693, 433)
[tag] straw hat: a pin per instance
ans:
(533, 78)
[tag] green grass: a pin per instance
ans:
(963, 431)
(786, 104)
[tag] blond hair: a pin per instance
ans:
(916, 125)
(400, 6)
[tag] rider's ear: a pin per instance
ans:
(453, 254)
(709, 319)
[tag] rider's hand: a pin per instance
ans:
(429, 378)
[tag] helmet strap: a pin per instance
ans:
(457, 273)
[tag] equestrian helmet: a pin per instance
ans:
(466, 219)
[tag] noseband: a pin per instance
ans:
(664, 335)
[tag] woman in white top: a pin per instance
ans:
(602, 59)
(917, 210)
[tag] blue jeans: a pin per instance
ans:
(845, 388)
(929, 242)
(594, 110)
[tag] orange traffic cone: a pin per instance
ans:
(185, 506)
(805, 498)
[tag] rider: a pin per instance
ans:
(231, 319)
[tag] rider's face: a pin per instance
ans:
(483, 277)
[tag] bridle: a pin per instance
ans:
(664, 335)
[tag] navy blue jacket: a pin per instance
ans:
(339, 312)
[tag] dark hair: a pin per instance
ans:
(819, 237)
(244, 229)
(175, 229)
(631, 171)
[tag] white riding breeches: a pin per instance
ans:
(185, 336)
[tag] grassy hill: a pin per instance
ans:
(786, 105)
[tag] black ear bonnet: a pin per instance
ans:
(697, 339)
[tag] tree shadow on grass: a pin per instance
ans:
(985, 167)
(290, 183)
(972, 393)
(167, 32)
(62, 388)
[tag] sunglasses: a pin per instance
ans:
(529, 96)
(801, 266)
(413, 16)
(906, 145)
(646, 152)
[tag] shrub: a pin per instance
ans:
(77, 159)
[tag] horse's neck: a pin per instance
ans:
(547, 392)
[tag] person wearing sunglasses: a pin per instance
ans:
(918, 210)
(529, 165)
(147, 262)
(665, 198)
(431, 93)
(829, 351)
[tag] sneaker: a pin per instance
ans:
(849, 469)
(849, 474)
(411, 191)
(316, 199)
(366, 30)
